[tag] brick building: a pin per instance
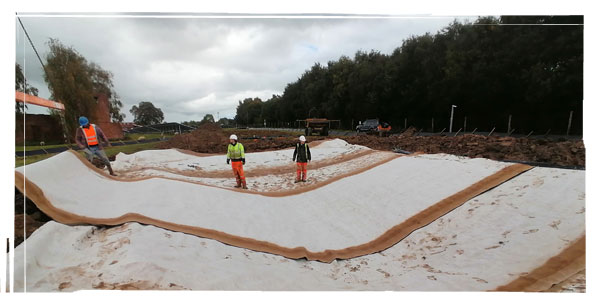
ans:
(38, 128)
(101, 117)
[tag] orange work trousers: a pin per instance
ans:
(238, 172)
(301, 169)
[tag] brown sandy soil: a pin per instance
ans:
(574, 284)
(31, 226)
(565, 153)
(34, 218)
(210, 138)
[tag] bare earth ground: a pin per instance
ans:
(212, 139)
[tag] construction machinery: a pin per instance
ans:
(319, 126)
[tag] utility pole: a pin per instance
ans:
(452, 116)
(509, 119)
(465, 125)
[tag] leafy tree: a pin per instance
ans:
(225, 122)
(146, 114)
(249, 112)
(22, 86)
(75, 81)
(208, 118)
(194, 124)
(534, 73)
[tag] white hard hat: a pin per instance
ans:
(233, 137)
(302, 138)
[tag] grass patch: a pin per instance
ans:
(147, 136)
(30, 148)
(21, 161)
(127, 149)
(128, 137)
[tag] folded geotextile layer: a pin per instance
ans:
(526, 234)
(352, 216)
(195, 164)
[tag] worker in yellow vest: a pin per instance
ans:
(235, 154)
(87, 138)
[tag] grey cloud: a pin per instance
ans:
(192, 66)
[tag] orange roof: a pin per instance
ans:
(31, 99)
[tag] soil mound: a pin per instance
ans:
(210, 138)
(561, 153)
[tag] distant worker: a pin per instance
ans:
(302, 157)
(384, 129)
(87, 138)
(235, 153)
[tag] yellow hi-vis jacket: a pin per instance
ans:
(235, 152)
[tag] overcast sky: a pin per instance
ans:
(189, 67)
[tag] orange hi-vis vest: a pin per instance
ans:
(90, 135)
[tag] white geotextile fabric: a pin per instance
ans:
(487, 242)
(348, 212)
(272, 182)
(174, 159)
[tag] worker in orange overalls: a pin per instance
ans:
(384, 130)
(87, 138)
(302, 157)
(235, 154)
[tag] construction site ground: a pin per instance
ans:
(211, 138)
(177, 162)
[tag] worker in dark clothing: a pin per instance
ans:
(302, 157)
(88, 137)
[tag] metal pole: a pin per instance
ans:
(492, 131)
(431, 124)
(570, 119)
(458, 132)
(509, 119)
(529, 134)
(404, 123)
(451, 117)
(465, 125)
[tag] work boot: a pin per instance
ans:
(244, 186)
(110, 170)
(303, 180)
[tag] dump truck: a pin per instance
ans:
(320, 126)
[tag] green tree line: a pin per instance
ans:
(491, 68)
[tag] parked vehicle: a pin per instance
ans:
(368, 125)
(374, 126)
